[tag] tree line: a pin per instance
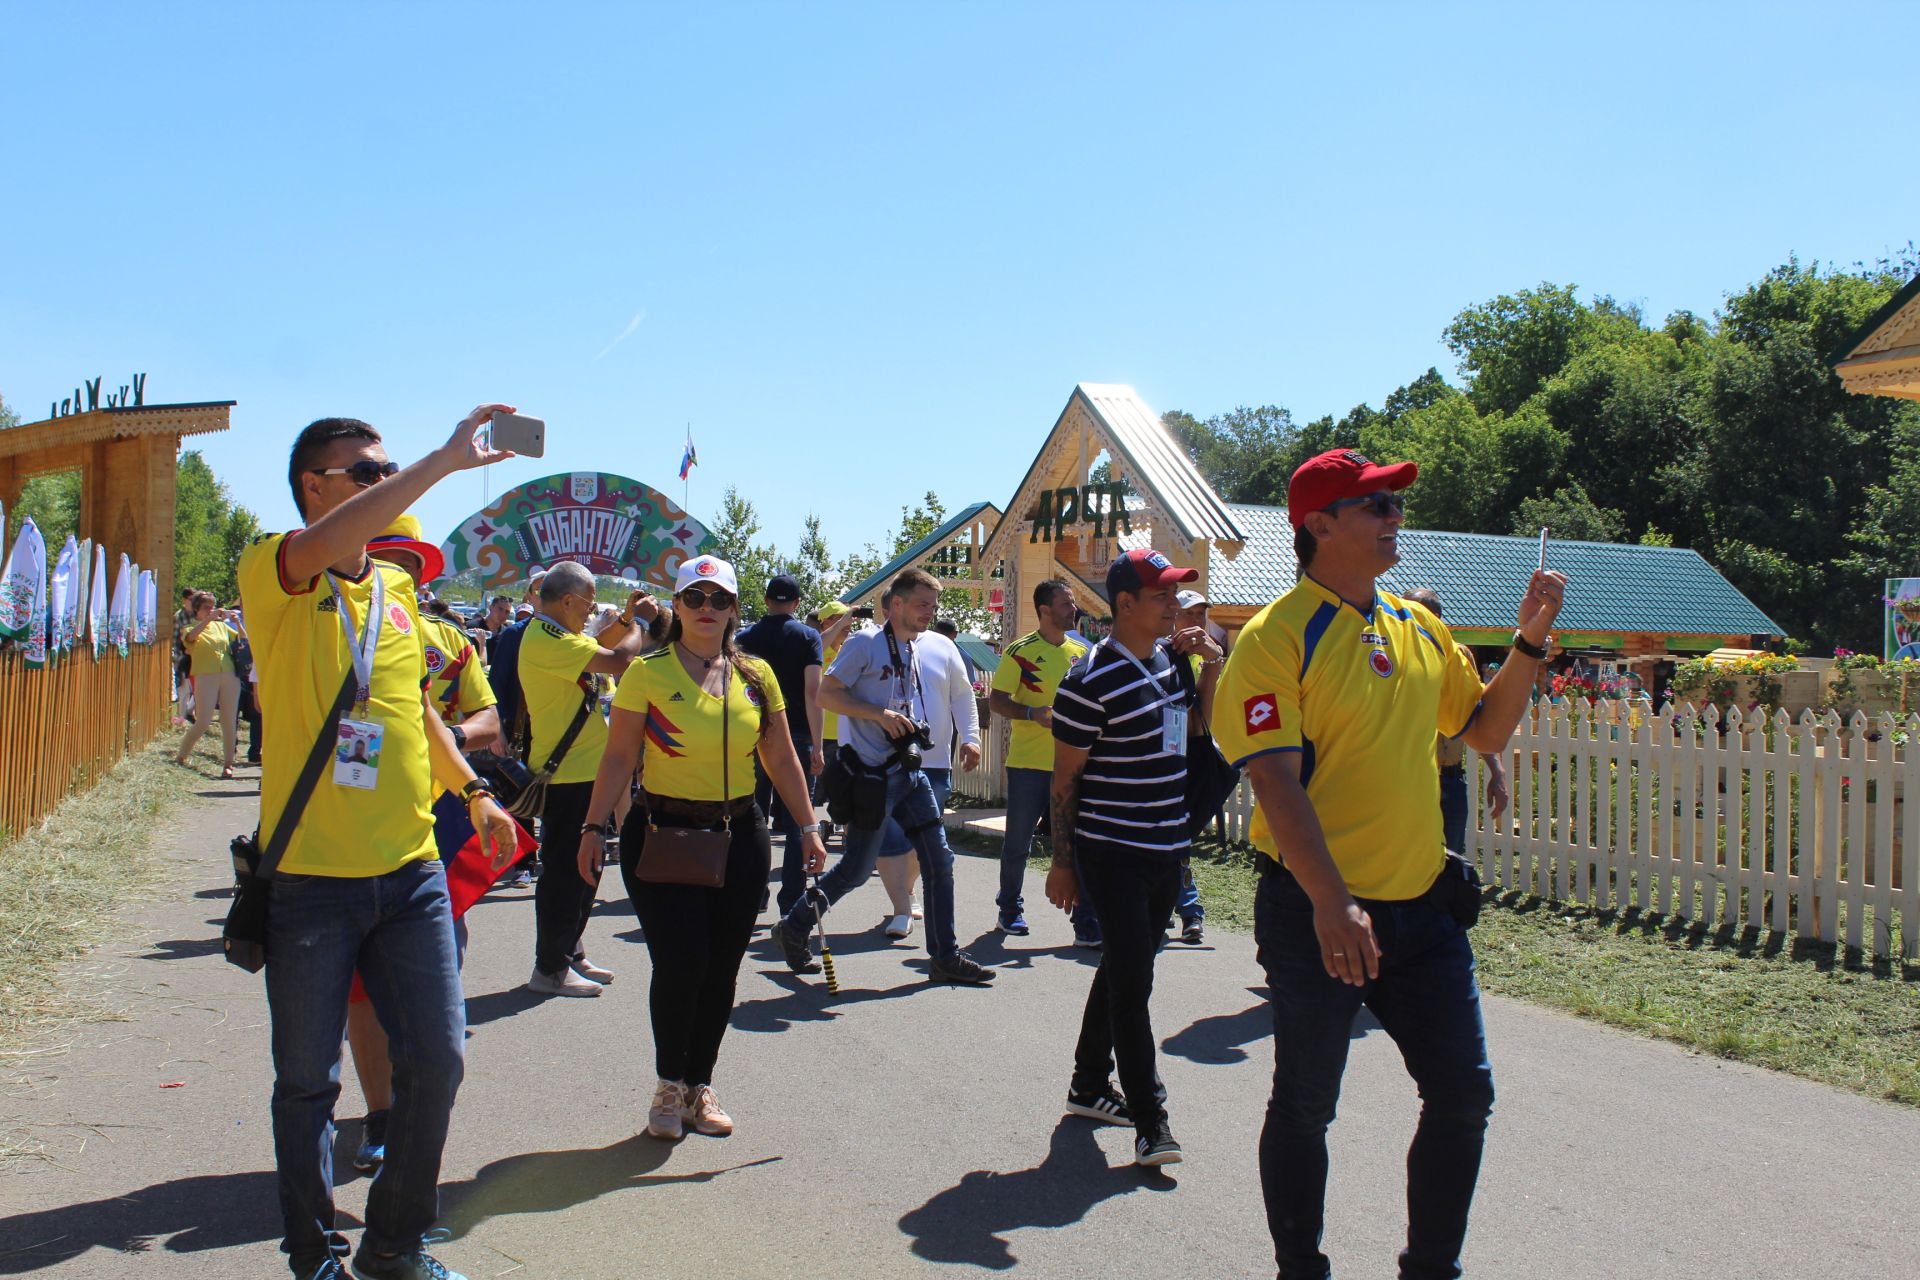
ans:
(1728, 433)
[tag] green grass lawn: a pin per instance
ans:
(1813, 1009)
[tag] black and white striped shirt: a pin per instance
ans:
(1134, 792)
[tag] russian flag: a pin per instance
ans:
(688, 458)
(469, 871)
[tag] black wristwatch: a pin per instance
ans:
(1527, 649)
(476, 787)
(459, 737)
(607, 830)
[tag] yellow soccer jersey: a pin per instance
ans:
(829, 721)
(300, 652)
(457, 684)
(213, 649)
(1030, 672)
(682, 753)
(553, 662)
(1361, 699)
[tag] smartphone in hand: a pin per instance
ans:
(523, 435)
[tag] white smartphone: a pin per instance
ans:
(525, 436)
(1543, 548)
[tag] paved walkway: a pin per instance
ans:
(905, 1129)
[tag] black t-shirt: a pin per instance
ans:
(789, 646)
(1134, 792)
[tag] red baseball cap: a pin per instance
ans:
(1326, 478)
(1141, 568)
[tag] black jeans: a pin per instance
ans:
(562, 900)
(696, 938)
(1427, 1001)
(793, 864)
(1133, 895)
(1453, 809)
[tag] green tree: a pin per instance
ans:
(209, 530)
(812, 567)
(1509, 347)
(736, 542)
(1571, 516)
(53, 501)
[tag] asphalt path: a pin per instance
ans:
(906, 1129)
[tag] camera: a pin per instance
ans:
(908, 747)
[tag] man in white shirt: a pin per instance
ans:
(955, 719)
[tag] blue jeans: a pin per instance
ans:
(1189, 905)
(1427, 1000)
(793, 864)
(893, 841)
(398, 929)
(1029, 792)
(1453, 810)
(910, 802)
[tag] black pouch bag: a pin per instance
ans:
(1210, 779)
(244, 938)
(1457, 890)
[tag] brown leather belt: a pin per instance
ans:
(677, 810)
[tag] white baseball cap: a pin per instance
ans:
(1189, 598)
(708, 569)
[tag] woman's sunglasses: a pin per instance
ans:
(363, 473)
(1378, 505)
(697, 598)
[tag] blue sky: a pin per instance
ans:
(871, 248)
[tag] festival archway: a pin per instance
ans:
(613, 525)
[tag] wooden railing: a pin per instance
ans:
(65, 725)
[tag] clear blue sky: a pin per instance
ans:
(872, 248)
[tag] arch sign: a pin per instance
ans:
(611, 524)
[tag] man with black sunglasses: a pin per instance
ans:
(1331, 699)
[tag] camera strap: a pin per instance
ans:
(902, 667)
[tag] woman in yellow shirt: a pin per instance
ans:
(675, 709)
(216, 685)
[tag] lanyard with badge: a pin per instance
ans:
(356, 754)
(902, 667)
(1173, 713)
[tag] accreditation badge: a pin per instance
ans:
(1173, 730)
(356, 754)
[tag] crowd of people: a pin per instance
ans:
(674, 740)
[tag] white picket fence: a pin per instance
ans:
(1768, 822)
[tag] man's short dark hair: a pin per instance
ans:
(1303, 547)
(909, 580)
(1425, 596)
(947, 628)
(1044, 593)
(312, 442)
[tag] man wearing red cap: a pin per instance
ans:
(1120, 832)
(1331, 700)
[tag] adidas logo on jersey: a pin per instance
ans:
(677, 697)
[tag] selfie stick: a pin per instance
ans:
(820, 923)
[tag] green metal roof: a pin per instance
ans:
(1480, 578)
(978, 652)
(878, 577)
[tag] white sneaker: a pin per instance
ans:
(916, 908)
(564, 983)
(591, 971)
(669, 1106)
(898, 926)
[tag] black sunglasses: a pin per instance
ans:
(697, 597)
(363, 473)
(1379, 505)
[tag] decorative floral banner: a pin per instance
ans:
(613, 525)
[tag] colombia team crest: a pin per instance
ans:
(436, 661)
(1382, 665)
(397, 614)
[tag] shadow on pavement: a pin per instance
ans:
(185, 948)
(214, 1211)
(549, 1181)
(495, 1005)
(807, 1001)
(991, 948)
(1216, 1041)
(968, 1223)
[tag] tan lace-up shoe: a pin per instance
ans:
(702, 1111)
(669, 1107)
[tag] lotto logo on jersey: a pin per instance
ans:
(397, 614)
(1263, 713)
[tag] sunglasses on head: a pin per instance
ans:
(363, 472)
(1380, 505)
(697, 598)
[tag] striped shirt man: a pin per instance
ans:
(1115, 707)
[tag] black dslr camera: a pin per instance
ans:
(907, 749)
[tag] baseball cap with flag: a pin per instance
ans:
(711, 570)
(404, 534)
(1144, 567)
(1325, 478)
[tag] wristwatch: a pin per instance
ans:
(1526, 648)
(476, 787)
(459, 737)
(606, 830)
(811, 829)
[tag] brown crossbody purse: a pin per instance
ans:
(694, 855)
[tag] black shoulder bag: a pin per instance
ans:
(526, 799)
(245, 935)
(1210, 779)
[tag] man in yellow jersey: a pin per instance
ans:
(360, 883)
(1023, 686)
(1331, 700)
(557, 664)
